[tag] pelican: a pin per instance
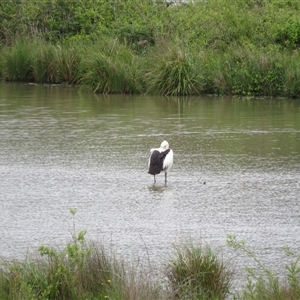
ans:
(160, 160)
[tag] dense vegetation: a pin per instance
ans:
(85, 270)
(236, 47)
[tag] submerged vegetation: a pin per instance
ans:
(86, 270)
(234, 47)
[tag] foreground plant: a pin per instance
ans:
(197, 273)
(80, 270)
(262, 283)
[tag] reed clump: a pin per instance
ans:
(249, 72)
(196, 272)
(171, 71)
(107, 66)
(17, 62)
(40, 62)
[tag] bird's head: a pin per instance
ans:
(164, 145)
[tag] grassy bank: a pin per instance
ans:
(232, 47)
(109, 66)
(86, 270)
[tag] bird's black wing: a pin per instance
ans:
(156, 161)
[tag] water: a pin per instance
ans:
(236, 171)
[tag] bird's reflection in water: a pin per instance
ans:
(158, 188)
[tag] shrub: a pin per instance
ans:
(249, 72)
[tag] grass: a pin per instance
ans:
(262, 283)
(86, 270)
(106, 65)
(38, 61)
(67, 59)
(196, 272)
(54, 63)
(17, 61)
(43, 63)
(81, 270)
(171, 72)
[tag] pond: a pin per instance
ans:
(236, 171)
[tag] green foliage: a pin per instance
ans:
(38, 61)
(236, 47)
(292, 76)
(65, 268)
(67, 59)
(293, 271)
(17, 62)
(197, 273)
(84, 270)
(59, 19)
(54, 277)
(43, 63)
(135, 20)
(109, 67)
(171, 72)
(253, 73)
(80, 270)
(214, 24)
(263, 283)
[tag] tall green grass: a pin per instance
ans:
(43, 65)
(291, 84)
(67, 59)
(196, 272)
(250, 72)
(86, 270)
(39, 61)
(80, 270)
(109, 66)
(171, 71)
(17, 62)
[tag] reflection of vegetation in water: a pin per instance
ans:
(219, 125)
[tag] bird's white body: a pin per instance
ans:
(161, 160)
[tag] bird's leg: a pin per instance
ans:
(165, 178)
(154, 179)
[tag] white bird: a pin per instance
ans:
(160, 160)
